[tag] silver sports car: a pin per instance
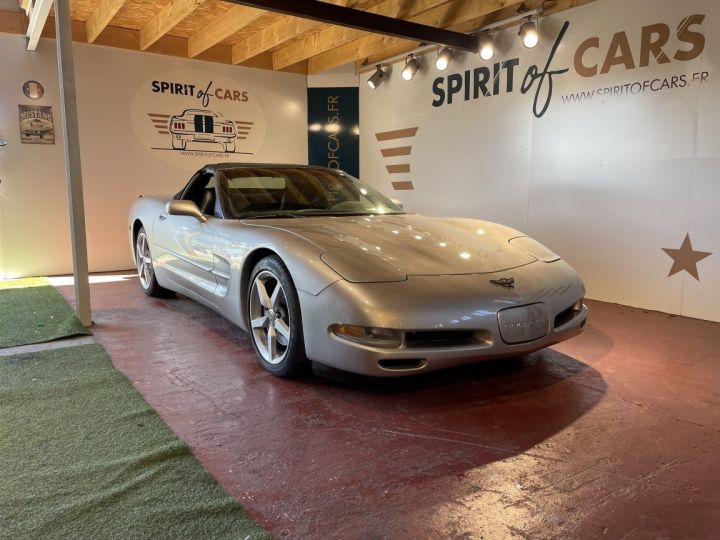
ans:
(319, 266)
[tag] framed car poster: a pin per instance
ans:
(36, 124)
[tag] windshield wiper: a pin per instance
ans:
(270, 216)
(317, 212)
(340, 213)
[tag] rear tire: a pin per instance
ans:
(274, 319)
(146, 271)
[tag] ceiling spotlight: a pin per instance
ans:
(377, 78)
(529, 34)
(487, 46)
(444, 57)
(412, 64)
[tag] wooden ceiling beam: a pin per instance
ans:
(396, 48)
(400, 47)
(275, 35)
(15, 22)
(101, 17)
(331, 37)
(371, 20)
(236, 18)
(450, 15)
(168, 17)
(272, 36)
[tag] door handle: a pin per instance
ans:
(162, 217)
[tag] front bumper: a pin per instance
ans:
(456, 303)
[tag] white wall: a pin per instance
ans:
(606, 183)
(117, 136)
(338, 77)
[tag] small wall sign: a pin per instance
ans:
(36, 124)
(33, 90)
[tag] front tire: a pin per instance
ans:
(274, 319)
(146, 271)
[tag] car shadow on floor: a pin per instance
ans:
(534, 368)
(401, 448)
(546, 384)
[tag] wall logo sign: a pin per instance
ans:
(592, 58)
(200, 125)
(184, 116)
(36, 124)
(398, 153)
(33, 90)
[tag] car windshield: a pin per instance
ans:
(248, 192)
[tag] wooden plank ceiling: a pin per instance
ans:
(219, 31)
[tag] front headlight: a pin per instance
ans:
(374, 337)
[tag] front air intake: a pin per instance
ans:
(568, 314)
(446, 338)
(401, 364)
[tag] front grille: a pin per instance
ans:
(445, 338)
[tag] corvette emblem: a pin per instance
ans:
(504, 282)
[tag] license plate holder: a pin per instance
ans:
(523, 324)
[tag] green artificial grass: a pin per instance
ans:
(83, 456)
(32, 311)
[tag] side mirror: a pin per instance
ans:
(185, 208)
(398, 203)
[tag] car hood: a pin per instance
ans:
(392, 247)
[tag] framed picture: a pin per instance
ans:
(36, 124)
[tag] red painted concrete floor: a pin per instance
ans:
(614, 434)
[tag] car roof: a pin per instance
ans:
(223, 166)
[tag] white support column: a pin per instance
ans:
(38, 17)
(68, 108)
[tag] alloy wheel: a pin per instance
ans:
(269, 317)
(143, 260)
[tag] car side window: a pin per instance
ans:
(202, 192)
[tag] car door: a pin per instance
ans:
(184, 245)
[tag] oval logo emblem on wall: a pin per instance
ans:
(33, 90)
(183, 116)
